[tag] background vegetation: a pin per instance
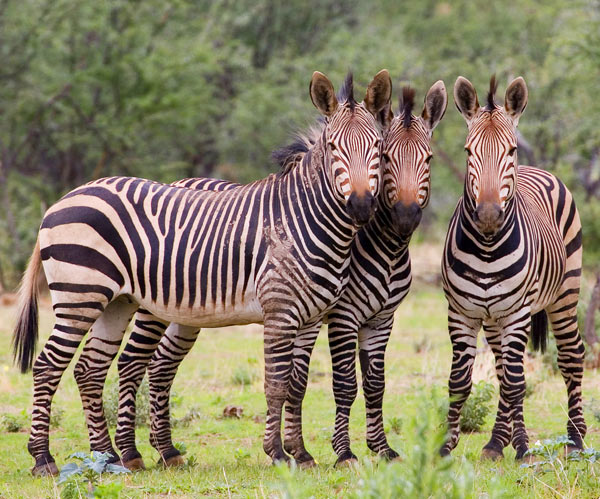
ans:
(176, 88)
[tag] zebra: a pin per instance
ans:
(274, 251)
(511, 262)
(379, 280)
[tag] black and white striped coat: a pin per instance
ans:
(512, 258)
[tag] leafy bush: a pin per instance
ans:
(422, 473)
(142, 403)
(86, 476)
(477, 407)
(244, 376)
(14, 423)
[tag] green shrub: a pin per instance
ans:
(14, 423)
(477, 407)
(244, 376)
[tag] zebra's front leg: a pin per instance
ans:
(92, 367)
(463, 335)
(279, 335)
(514, 336)
(373, 339)
(172, 349)
(133, 361)
(343, 340)
(293, 441)
(502, 427)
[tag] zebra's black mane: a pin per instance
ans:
(346, 93)
(407, 102)
(287, 156)
(491, 103)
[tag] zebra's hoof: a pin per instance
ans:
(135, 464)
(347, 462)
(390, 455)
(306, 465)
(46, 469)
(174, 461)
(491, 454)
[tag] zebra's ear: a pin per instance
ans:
(436, 102)
(385, 116)
(379, 93)
(465, 98)
(322, 94)
(515, 100)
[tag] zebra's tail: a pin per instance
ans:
(26, 331)
(539, 331)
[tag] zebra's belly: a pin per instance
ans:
(247, 312)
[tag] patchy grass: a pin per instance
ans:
(225, 454)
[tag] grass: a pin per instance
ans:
(226, 453)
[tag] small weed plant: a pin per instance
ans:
(477, 407)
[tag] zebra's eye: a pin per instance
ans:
(468, 151)
(428, 160)
(512, 150)
(386, 157)
(332, 146)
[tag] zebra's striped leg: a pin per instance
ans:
(343, 339)
(563, 317)
(172, 349)
(133, 361)
(515, 334)
(373, 339)
(293, 441)
(279, 336)
(47, 371)
(92, 367)
(493, 450)
(463, 335)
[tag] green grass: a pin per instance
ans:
(228, 452)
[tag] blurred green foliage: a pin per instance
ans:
(176, 88)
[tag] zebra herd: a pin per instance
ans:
(324, 240)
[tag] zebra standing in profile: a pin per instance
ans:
(275, 251)
(512, 260)
(379, 280)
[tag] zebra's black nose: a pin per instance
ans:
(406, 218)
(488, 218)
(361, 208)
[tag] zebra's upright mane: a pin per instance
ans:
(407, 102)
(346, 93)
(491, 103)
(288, 156)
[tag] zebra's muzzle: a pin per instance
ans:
(406, 217)
(361, 208)
(488, 218)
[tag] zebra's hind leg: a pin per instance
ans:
(172, 349)
(463, 335)
(571, 352)
(343, 341)
(133, 361)
(69, 330)
(293, 441)
(92, 367)
(502, 431)
(373, 339)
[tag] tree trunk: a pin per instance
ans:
(590, 335)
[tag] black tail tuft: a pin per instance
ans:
(26, 336)
(539, 331)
